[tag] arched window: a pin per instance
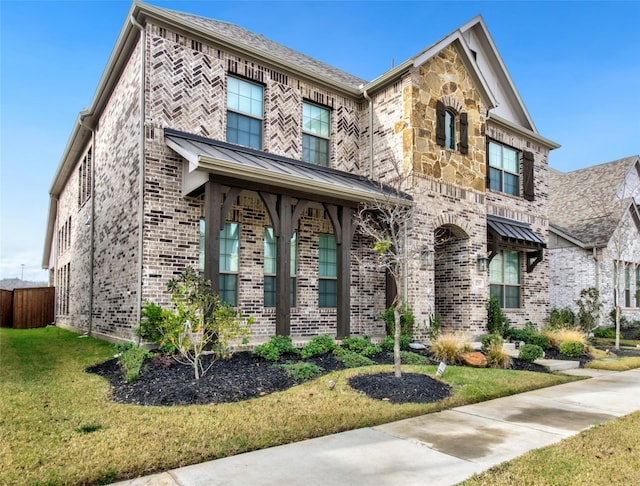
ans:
(447, 122)
(449, 129)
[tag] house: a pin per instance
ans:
(209, 146)
(594, 241)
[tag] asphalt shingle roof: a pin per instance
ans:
(583, 203)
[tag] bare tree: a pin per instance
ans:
(387, 222)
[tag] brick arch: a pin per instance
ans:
(451, 102)
(459, 227)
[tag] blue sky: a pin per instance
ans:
(575, 64)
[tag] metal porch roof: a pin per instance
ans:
(514, 233)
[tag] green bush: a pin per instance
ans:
(606, 333)
(496, 320)
(411, 358)
(589, 306)
(624, 322)
(351, 359)
(361, 345)
(572, 348)
(387, 343)
(530, 353)
(317, 346)
(275, 347)
(539, 340)
(561, 318)
(301, 371)
(516, 334)
(407, 320)
(130, 359)
(489, 340)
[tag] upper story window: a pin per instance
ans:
(504, 169)
(316, 130)
(244, 113)
(504, 275)
(452, 129)
(84, 179)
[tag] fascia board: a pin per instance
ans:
(523, 131)
(48, 239)
(478, 23)
(563, 234)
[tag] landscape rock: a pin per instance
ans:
(474, 358)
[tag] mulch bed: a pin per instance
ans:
(166, 382)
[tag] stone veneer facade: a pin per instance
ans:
(185, 90)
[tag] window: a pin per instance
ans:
(229, 243)
(63, 289)
(504, 170)
(449, 130)
(327, 272)
(638, 286)
(84, 179)
(504, 273)
(316, 130)
(270, 269)
(244, 113)
(627, 286)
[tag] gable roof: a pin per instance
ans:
(588, 204)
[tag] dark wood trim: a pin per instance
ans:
(343, 311)
(283, 266)
(212, 216)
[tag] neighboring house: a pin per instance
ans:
(594, 220)
(207, 145)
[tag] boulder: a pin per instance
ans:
(473, 358)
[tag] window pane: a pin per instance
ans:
(511, 297)
(269, 251)
(201, 249)
(327, 256)
(229, 244)
(495, 269)
(497, 292)
(328, 293)
(292, 292)
(315, 150)
(244, 96)
(511, 184)
(228, 285)
(495, 155)
(511, 267)
(510, 160)
(269, 291)
(294, 254)
(244, 130)
(315, 120)
(449, 130)
(495, 179)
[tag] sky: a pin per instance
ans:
(575, 64)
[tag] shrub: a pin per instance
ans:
(157, 326)
(530, 353)
(624, 322)
(447, 347)
(411, 358)
(317, 346)
(496, 320)
(589, 306)
(387, 343)
(434, 327)
(539, 340)
(275, 347)
(301, 371)
(516, 334)
(558, 336)
(489, 340)
(497, 357)
(572, 348)
(130, 359)
(361, 345)
(560, 319)
(606, 333)
(407, 320)
(354, 360)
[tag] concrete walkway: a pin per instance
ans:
(442, 448)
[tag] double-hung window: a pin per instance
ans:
(270, 255)
(327, 272)
(504, 169)
(504, 274)
(316, 130)
(627, 286)
(229, 258)
(244, 113)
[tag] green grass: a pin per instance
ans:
(59, 426)
(608, 453)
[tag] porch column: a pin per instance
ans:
(212, 226)
(283, 267)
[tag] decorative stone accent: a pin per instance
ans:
(474, 358)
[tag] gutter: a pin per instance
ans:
(141, 155)
(92, 218)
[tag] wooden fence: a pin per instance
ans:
(28, 307)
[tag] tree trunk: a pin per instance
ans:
(396, 340)
(618, 327)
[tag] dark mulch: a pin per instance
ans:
(164, 381)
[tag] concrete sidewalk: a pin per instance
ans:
(442, 448)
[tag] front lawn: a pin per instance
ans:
(59, 426)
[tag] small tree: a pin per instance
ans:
(589, 306)
(496, 320)
(199, 323)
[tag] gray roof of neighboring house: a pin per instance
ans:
(583, 203)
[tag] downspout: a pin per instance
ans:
(368, 98)
(92, 218)
(141, 154)
(597, 275)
